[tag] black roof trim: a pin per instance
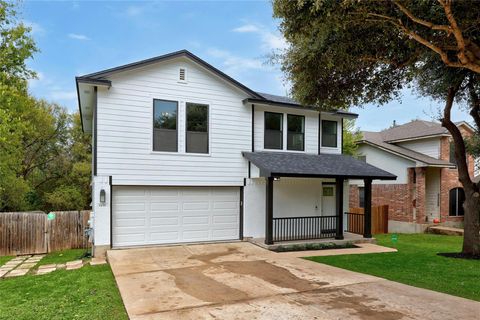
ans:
(287, 164)
(297, 106)
(168, 56)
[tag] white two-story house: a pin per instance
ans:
(183, 153)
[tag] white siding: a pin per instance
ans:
(311, 127)
(292, 197)
(125, 121)
(430, 147)
(388, 162)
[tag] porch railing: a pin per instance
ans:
(355, 222)
(304, 228)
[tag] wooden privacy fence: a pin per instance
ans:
(355, 220)
(32, 233)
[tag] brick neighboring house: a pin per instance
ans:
(421, 154)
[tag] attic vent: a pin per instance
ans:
(182, 74)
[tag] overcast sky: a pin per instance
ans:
(80, 37)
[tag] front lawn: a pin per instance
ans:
(60, 257)
(86, 293)
(416, 263)
(4, 259)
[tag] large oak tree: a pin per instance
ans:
(346, 53)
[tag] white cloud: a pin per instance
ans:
(36, 28)
(133, 11)
(77, 36)
(270, 40)
(233, 63)
(63, 95)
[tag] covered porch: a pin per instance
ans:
(332, 171)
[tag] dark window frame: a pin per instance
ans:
(153, 125)
(265, 129)
(455, 208)
(323, 135)
(208, 127)
(303, 133)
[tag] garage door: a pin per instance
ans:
(160, 215)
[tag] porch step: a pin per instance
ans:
(449, 231)
(316, 244)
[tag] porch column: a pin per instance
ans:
(367, 227)
(339, 205)
(269, 212)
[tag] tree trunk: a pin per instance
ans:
(471, 235)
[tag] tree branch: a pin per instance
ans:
(422, 22)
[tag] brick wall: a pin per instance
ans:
(396, 196)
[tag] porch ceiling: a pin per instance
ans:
(286, 164)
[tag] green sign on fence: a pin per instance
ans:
(50, 216)
(394, 238)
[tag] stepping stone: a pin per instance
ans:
(16, 273)
(26, 265)
(3, 272)
(45, 270)
(97, 261)
(47, 266)
(75, 262)
(72, 265)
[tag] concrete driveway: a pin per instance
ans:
(243, 281)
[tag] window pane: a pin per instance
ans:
(329, 133)
(165, 125)
(296, 132)
(197, 128)
(461, 200)
(273, 131)
(361, 197)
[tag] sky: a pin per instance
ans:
(80, 37)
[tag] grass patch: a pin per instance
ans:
(4, 259)
(86, 293)
(416, 263)
(63, 256)
(313, 246)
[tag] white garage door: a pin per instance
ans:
(158, 215)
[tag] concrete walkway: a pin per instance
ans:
(243, 281)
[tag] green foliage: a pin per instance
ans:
(350, 137)
(417, 264)
(65, 198)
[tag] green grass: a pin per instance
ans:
(416, 263)
(86, 293)
(4, 259)
(62, 256)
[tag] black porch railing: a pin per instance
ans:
(304, 228)
(355, 222)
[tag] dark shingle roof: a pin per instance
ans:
(284, 164)
(375, 139)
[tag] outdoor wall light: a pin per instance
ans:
(102, 197)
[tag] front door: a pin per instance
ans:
(328, 200)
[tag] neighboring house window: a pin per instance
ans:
(361, 197)
(197, 128)
(273, 131)
(296, 132)
(457, 197)
(165, 137)
(329, 133)
(452, 153)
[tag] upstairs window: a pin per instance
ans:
(296, 132)
(329, 133)
(273, 138)
(456, 199)
(197, 128)
(165, 137)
